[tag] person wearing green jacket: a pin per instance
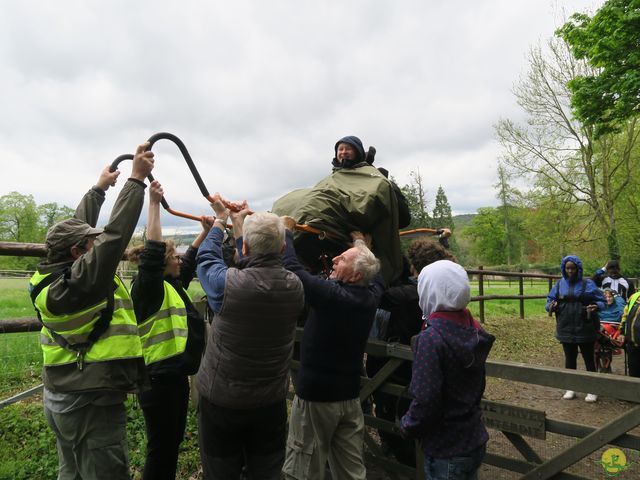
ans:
(356, 196)
(92, 353)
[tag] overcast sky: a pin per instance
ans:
(260, 91)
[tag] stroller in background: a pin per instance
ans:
(607, 346)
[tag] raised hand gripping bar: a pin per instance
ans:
(163, 202)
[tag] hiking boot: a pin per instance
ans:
(591, 398)
(569, 395)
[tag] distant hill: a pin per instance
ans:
(462, 221)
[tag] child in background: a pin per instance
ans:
(448, 377)
(614, 307)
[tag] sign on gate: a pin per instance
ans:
(513, 419)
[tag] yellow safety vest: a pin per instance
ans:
(119, 341)
(630, 316)
(164, 334)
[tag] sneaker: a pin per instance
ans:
(569, 395)
(591, 398)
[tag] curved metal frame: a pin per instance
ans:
(163, 202)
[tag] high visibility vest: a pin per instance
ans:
(119, 341)
(164, 334)
(630, 324)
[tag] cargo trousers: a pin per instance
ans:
(91, 442)
(321, 432)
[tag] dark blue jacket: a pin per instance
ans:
(573, 323)
(335, 333)
(447, 385)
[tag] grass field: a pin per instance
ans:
(27, 445)
(14, 298)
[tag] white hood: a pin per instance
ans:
(443, 286)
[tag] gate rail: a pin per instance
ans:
(531, 465)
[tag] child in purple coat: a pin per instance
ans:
(448, 377)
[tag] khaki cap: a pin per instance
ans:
(67, 233)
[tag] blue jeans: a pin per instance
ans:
(455, 468)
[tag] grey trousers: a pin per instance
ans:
(321, 432)
(91, 442)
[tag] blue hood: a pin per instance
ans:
(572, 259)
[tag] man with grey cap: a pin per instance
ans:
(92, 355)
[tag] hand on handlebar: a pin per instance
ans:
(142, 162)
(107, 178)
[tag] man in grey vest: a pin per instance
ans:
(243, 378)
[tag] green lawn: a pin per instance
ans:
(510, 308)
(14, 298)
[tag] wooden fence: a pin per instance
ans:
(482, 275)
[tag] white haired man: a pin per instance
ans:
(327, 423)
(244, 375)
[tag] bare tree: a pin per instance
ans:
(416, 196)
(554, 146)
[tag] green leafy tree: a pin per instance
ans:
(19, 223)
(555, 225)
(507, 195)
(610, 42)
(51, 213)
(19, 218)
(487, 236)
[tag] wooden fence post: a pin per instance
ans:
(481, 293)
(521, 288)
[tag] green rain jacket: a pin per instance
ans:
(350, 199)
